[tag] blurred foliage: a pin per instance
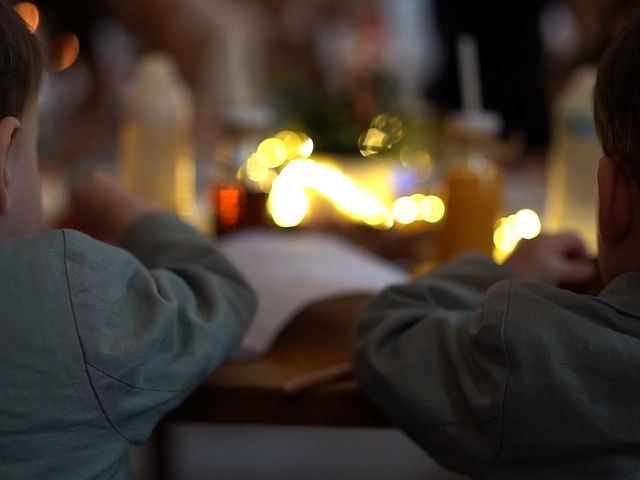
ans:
(334, 120)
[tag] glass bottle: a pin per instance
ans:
(156, 148)
(474, 185)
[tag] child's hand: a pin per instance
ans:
(103, 208)
(560, 260)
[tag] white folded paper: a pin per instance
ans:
(290, 270)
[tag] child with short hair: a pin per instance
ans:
(499, 373)
(96, 342)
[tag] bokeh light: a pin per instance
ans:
(431, 208)
(527, 224)
(266, 183)
(331, 183)
(405, 210)
(505, 237)
(372, 142)
(255, 169)
(391, 126)
(281, 167)
(29, 13)
(499, 256)
(272, 153)
(288, 202)
(292, 141)
(299, 145)
(306, 146)
(65, 49)
(510, 230)
(383, 133)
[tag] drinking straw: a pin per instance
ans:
(469, 72)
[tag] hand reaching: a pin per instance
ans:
(559, 260)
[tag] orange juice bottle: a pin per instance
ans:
(474, 187)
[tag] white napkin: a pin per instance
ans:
(292, 269)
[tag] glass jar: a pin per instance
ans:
(474, 186)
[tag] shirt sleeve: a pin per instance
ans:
(153, 318)
(431, 355)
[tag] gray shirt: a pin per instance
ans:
(97, 342)
(502, 378)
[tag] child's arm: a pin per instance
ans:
(154, 321)
(430, 355)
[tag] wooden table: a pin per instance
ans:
(251, 392)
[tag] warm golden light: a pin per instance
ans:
(29, 13)
(510, 230)
(288, 203)
(331, 183)
(381, 219)
(306, 146)
(65, 48)
(272, 153)
(267, 182)
(255, 170)
(505, 238)
(417, 198)
(353, 201)
(383, 133)
(405, 210)
(431, 209)
(292, 142)
(527, 224)
(298, 144)
(499, 256)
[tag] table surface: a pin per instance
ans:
(251, 392)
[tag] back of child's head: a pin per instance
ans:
(20, 63)
(617, 96)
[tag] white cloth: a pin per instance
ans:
(290, 270)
